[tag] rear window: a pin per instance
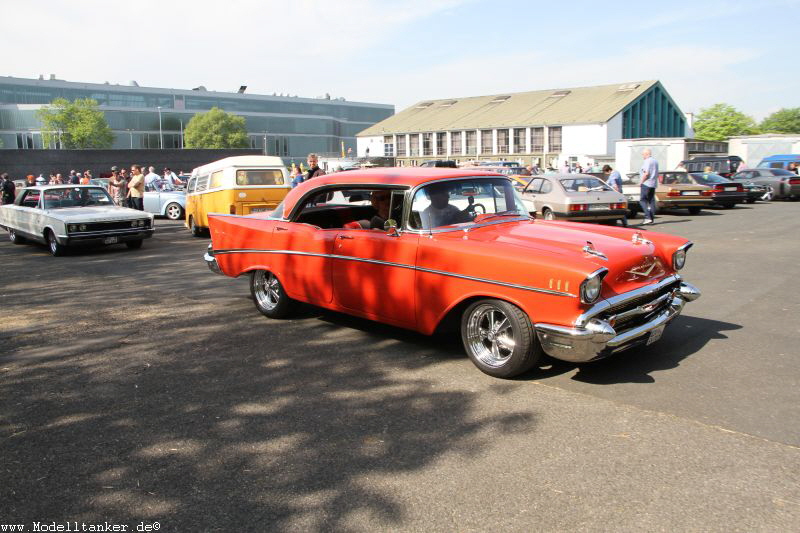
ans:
(584, 184)
(781, 172)
(707, 178)
(259, 177)
(679, 178)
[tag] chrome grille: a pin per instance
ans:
(636, 311)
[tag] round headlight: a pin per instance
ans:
(679, 259)
(73, 227)
(590, 288)
(83, 227)
(134, 223)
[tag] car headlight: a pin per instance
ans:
(82, 227)
(679, 257)
(592, 285)
(72, 227)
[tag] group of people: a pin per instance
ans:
(297, 176)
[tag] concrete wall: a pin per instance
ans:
(19, 163)
(375, 145)
(669, 152)
(752, 149)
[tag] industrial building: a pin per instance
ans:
(578, 125)
(146, 117)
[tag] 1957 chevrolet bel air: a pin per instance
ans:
(419, 248)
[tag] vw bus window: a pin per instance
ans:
(217, 179)
(259, 177)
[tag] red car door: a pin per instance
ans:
(373, 274)
(303, 260)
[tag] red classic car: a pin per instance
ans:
(421, 247)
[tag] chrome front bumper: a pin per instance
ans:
(211, 261)
(598, 339)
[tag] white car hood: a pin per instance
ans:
(97, 214)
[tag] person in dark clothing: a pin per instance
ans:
(8, 189)
(313, 167)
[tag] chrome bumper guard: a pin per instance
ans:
(211, 261)
(598, 338)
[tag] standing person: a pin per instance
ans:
(793, 168)
(136, 188)
(118, 187)
(151, 179)
(30, 181)
(614, 180)
(171, 179)
(295, 177)
(313, 167)
(648, 178)
(87, 178)
(8, 188)
(565, 168)
(73, 179)
(52, 180)
(59, 179)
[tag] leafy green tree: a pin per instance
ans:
(782, 121)
(721, 121)
(216, 129)
(78, 124)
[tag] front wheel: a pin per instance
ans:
(56, 249)
(268, 294)
(694, 210)
(499, 338)
(174, 211)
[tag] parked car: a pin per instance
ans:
(724, 192)
(724, 165)
(519, 288)
(573, 197)
(100, 182)
(675, 190)
(439, 163)
(779, 161)
(64, 216)
(780, 183)
(168, 203)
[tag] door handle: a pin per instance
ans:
(281, 228)
(345, 236)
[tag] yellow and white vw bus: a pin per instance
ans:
(238, 185)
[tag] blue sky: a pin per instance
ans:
(403, 51)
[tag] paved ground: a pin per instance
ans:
(136, 386)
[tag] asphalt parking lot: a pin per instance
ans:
(138, 387)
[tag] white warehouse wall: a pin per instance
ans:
(752, 149)
(583, 140)
(613, 133)
(375, 145)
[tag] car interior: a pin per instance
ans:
(344, 209)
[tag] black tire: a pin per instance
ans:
(15, 238)
(694, 210)
(56, 250)
(268, 295)
(728, 206)
(134, 245)
(751, 200)
(196, 230)
(174, 211)
(487, 326)
(547, 214)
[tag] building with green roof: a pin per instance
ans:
(549, 127)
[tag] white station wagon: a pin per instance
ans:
(64, 216)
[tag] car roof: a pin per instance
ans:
(390, 176)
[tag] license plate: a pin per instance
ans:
(690, 193)
(730, 188)
(111, 240)
(655, 335)
(596, 207)
(258, 210)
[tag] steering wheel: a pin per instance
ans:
(472, 209)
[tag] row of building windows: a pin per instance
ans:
(465, 143)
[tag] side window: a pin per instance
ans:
(547, 186)
(191, 186)
(202, 183)
(536, 186)
(217, 179)
(30, 199)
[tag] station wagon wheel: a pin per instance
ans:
(14, 238)
(268, 294)
(499, 338)
(55, 249)
(174, 211)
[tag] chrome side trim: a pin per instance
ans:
(397, 265)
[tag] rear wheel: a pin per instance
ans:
(56, 249)
(499, 338)
(133, 245)
(174, 211)
(268, 294)
(547, 214)
(694, 210)
(14, 238)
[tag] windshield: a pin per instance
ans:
(76, 197)
(709, 177)
(583, 184)
(259, 177)
(464, 201)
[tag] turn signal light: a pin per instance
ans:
(674, 192)
(708, 193)
(619, 206)
(579, 207)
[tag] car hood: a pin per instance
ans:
(96, 214)
(611, 248)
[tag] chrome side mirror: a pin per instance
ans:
(390, 226)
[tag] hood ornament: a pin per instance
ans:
(590, 249)
(644, 272)
(637, 238)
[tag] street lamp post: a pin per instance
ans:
(181, 121)
(160, 132)
(130, 132)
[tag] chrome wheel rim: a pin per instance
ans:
(548, 215)
(173, 211)
(266, 289)
(53, 244)
(12, 236)
(490, 335)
